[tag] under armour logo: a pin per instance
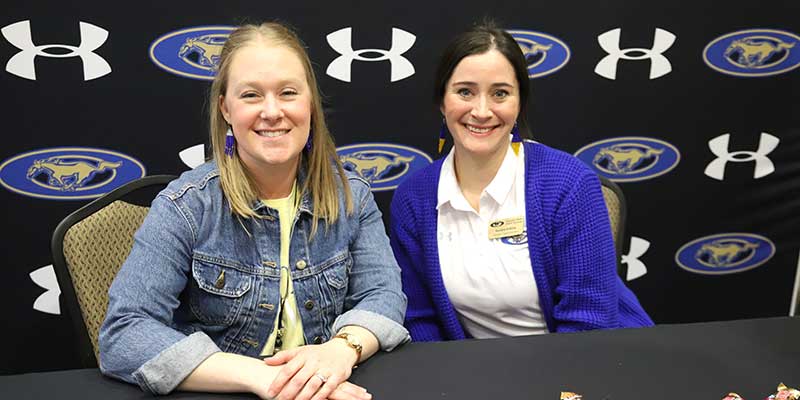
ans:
(342, 42)
(193, 156)
(22, 63)
(659, 65)
(47, 302)
(636, 267)
(719, 146)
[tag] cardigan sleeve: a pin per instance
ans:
(586, 295)
(420, 318)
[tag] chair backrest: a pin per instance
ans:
(618, 214)
(89, 246)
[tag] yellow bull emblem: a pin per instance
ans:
(373, 166)
(207, 47)
(534, 49)
(753, 52)
(723, 253)
(623, 159)
(68, 175)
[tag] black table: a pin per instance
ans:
(683, 362)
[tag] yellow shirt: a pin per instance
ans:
(287, 331)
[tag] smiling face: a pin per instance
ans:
(268, 105)
(481, 103)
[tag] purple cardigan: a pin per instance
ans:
(569, 240)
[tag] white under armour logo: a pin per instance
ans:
(719, 146)
(22, 63)
(659, 65)
(193, 156)
(342, 42)
(636, 267)
(47, 302)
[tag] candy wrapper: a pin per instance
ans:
(732, 396)
(785, 393)
(570, 396)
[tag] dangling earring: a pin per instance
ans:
(442, 135)
(515, 139)
(310, 137)
(229, 142)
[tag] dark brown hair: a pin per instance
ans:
(480, 39)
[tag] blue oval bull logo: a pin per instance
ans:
(68, 173)
(754, 53)
(516, 240)
(383, 165)
(725, 253)
(629, 159)
(544, 53)
(192, 52)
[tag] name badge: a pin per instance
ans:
(506, 227)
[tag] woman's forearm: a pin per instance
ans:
(227, 372)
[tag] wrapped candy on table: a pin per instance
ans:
(785, 393)
(732, 396)
(570, 396)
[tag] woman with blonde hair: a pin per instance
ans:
(270, 250)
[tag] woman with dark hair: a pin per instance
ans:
(269, 250)
(502, 237)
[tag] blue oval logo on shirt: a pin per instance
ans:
(69, 173)
(191, 52)
(383, 165)
(725, 253)
(516, 240)
(629, 159)
(754, 53)
(544, 53)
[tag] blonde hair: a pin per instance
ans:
(237, 184)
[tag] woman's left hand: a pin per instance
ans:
(312, 371)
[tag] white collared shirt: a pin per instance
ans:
(489, 282)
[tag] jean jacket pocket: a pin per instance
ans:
(217, 292)
(336, 272)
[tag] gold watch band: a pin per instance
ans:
(352, 341)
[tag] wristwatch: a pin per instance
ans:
(352, 341)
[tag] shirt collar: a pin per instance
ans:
(449, 191)
(498, 189)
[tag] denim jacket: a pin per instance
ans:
(200, 280)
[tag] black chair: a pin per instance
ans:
(89, 247)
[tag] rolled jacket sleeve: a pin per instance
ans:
(390, 334)
(164, 372)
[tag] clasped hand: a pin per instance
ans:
(315, 372)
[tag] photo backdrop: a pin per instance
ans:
(691, 107)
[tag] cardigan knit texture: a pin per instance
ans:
(569, 240)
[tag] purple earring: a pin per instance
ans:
(515, 139)
(310, 137)
(442, 135)
(229, 142)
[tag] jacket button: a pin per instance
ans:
(318, 340)
(301, 264)
(220, 283)
(309, 304)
